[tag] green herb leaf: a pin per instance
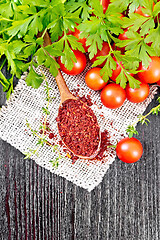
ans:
(33, 79)
(131, 130)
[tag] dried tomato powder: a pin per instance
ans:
(78, 127)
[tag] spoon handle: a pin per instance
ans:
(63, 89)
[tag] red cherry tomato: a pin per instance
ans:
(137, 95)
(117, 71)
(94, 80)
(139, 11)
(152, 73)
(105, 4)
(113, 96)
(123, 35)
(158, 83)
(129, 150)
(78, 67)
(68, 33)
(114, 47)
(105, 50)
(76, 33)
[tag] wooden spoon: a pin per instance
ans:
(65, 94)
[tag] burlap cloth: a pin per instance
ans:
(26, 104)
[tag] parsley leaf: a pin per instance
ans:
(21, 21)
(33, 79)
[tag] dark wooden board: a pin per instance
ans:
(35, 204)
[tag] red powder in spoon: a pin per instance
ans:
(78, 127)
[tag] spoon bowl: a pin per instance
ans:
(86, 157)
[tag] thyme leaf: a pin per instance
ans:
(41, 139)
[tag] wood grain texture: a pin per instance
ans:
(35, 204)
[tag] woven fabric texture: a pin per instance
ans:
(26, 104)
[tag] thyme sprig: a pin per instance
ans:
(143, 119)
(42, 140)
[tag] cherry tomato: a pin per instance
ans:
(139, 11)
(158, 83)
(114, 47)
(105, 50)
(68, 33)
(152, 73)
(78, 67)
(76, 33)
(123, 35)
(117, 71)
(105, 4)
(137, 95)
(129, 150)
(94, 80)
(113, 96)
